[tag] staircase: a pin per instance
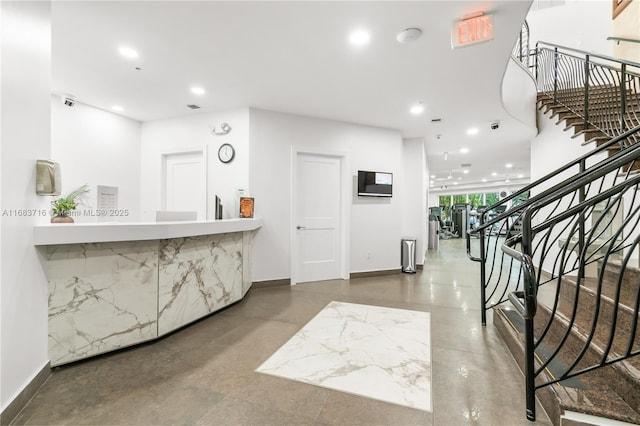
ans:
(568, 264)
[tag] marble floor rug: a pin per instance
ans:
(372, 351)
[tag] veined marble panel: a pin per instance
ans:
(247, 260)
(102, 296)
(377, 352)
(197, 276)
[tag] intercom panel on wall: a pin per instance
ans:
(48, 178)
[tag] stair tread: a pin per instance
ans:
(597, 398)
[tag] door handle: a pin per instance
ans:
(300, 227)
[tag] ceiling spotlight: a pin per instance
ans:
(508, 165)
(117, 108)
(197, 90)
(472, 131)
(465, 171)
(408, 35)
(506, 180)
(484, 179)
(359, 38)
(520, 176)
(459, 178)
(464, 150)
(433, 176)
(455, 183)
(494, 174)
(128, 52)
(446, 155)
(449, 177)
(417, 109)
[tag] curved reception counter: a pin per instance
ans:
(116, 285)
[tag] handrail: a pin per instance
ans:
(591, 54)
(525, 301)
(619, 39)
(578, 161)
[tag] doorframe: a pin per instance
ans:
(202, 150)
(345, 208)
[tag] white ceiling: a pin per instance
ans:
(295, 57)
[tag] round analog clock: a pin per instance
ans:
(226, 153)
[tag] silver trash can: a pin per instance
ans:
(434, 239)
(408, 255)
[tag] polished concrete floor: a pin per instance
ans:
(204, 374)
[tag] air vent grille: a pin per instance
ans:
(436, 120)
(193, 106)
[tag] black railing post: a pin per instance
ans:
(529, 366)
(483, 264)
(581, 198)
(586, 91)
(536, 62)
(555, 75)
(623, 97)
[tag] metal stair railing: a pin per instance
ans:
(498, 272)
(603, 91)
(603, 227)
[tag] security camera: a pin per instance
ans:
(68, 100)
(495, 125)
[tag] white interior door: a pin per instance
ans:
(185, 183)
(317, 217)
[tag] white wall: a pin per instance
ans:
(414, 194)
(375, 222)
(96, 147)
(170, 135)
(579, 24)
(25, 83)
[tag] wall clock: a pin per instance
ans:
(226, 153)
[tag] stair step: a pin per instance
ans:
(589, 393)
(588, 132)
(585, 316)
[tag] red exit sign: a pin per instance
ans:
(471, 31)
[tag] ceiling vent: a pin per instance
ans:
(436, 120)
(465, 165)
(193, 106)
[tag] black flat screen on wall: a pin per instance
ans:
(375, 184)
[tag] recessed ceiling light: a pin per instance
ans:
(472, 131)
(117, 108)
(455, 183)
(459, 178)
(484, 179)
(520, 176)
(508, 165)
(465, 171)
(433, 176)
(494, 174)
(197, 90)
(449, 177)
(359, 38)
(128, 52)
(464, 150)
(506, 180)
(417, 109)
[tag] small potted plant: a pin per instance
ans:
(61, 207)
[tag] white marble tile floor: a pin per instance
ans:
(372, 351)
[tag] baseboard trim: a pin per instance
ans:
(271, 283)
(29, 391)
(370, 274)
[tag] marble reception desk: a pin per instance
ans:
(116, 285)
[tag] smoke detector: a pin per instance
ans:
(408, 35)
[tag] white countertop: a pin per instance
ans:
(78, 233)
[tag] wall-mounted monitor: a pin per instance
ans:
(375, 184)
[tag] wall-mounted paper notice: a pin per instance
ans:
(107, 202)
